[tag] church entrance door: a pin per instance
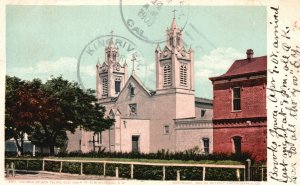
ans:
(135, 143)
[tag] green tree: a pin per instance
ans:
(75, 108)
(48, 110)
(20, 108)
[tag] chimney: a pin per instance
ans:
(249, 54)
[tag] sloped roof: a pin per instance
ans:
(244, 67)
(140, 83)
(203, 100)
(135, 78)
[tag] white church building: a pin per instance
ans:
(169, 118)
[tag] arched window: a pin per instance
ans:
(178, 40)
(167, 75)
(114, 56)
(104, 87)
(131, 89)
(171, 41)
(237, 144)
(118, 85)
(108, 56)
(183, 75)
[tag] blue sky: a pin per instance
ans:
(47, 40)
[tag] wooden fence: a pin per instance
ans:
(163, 166)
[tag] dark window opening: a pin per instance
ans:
(133, 109)
(206, 145)
(99, 137)
(178, 40)
(135, 143)
(117, 86)
(236, 98)
(203, 113)
(237, 142)
(171, 41)
(131, 91)
(166, 129)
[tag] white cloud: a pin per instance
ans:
(65, 66)
(216, 63)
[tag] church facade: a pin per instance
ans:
(169, 118)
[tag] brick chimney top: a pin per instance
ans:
(249, 54)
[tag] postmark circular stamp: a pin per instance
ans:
(147, 21)
(94, 52)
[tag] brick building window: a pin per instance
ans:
(237, 144)
(236, 98)
(167, 75)
(206, 145)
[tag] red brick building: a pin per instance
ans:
(239, 112)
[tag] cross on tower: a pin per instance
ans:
(133, 59)
(174, 11)
(111, 33)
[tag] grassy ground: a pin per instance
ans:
(223, 162)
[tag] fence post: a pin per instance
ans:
(117, 172)
(203, 174)
(262, 174)
(104, 169)
(12, 166)
(43, 165)
(131, 171)
(248, 164)
(164, 173)
(60, 168)
(178, 175)
(81, 167)
(238, 174)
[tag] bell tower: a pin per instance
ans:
(174, 64)
(110, 75)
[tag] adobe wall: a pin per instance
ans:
(190, 135)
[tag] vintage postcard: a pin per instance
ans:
(152, 91)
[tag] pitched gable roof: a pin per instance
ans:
(137, 80)
(245, 67)
(140, 83)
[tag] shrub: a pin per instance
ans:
(142, 172)
(186, 173)
(71, 167)
(222, 174)
(35, 165)
(93, 168)
(52, 166)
